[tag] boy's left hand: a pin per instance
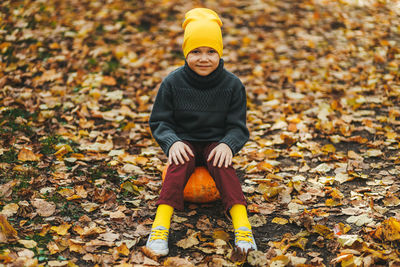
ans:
(222, 154)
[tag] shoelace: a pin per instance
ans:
(159, 234)
(244, 236)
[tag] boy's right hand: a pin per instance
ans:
(178, 153)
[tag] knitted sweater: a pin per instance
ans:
(200, 108)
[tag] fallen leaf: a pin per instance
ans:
(221, 234)
(177, 262)
(390, 229)
(7, 231)
(278, 220)
(374, 153)
(360, 220)
(10, 209)
(53, 247)
(28, 243)
(322, 168)
(108, 80)
(6, 189)
(348, 240)
(61, 229)
(123, 249)
(43, 208)
(89, 206)
(28, 155)
(190, 241)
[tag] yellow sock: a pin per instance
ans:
(163, 216)
(239, 216)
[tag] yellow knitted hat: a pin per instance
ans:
(202, 28)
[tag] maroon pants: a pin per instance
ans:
(226, 180)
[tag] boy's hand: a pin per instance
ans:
(222, 154)
(179, 153)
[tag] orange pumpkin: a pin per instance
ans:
(200, 188)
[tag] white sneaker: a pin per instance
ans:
(158, 240)
(244, 239)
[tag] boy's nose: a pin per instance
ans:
(203, 56)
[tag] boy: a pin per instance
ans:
(199, 118)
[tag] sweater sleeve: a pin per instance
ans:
(161, 121)
(236, 133)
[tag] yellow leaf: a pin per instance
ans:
(61, 229)
(329, 148)
(62, 150)
(295, 154)
(264, 166)
(336, 194)
(6, 228)
(66, 192)
(53, 247)
(271, 192)
(323, 231)
(130, 187)
(54, 46)
(300, 243)
(330, 202)
(278, 220)
(391, 229)
(123, 249)
(76, 246)
(281, 260)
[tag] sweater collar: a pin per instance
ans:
(204, 82)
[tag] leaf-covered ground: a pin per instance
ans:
(80, 173)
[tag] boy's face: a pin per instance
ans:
(203, 60)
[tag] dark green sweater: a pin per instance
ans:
(200, 108)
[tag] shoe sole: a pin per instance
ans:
(160, 252)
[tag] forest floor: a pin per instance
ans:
(80, 172)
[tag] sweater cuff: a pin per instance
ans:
(168, 142)
(232, 143)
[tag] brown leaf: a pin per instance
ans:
(190, 241)
(238, 256)
(43, 208)
(6, 189)
(53, 247)
(108, 80)
(177, 262)
(149, 253)
(123, 249)
(28, 155)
